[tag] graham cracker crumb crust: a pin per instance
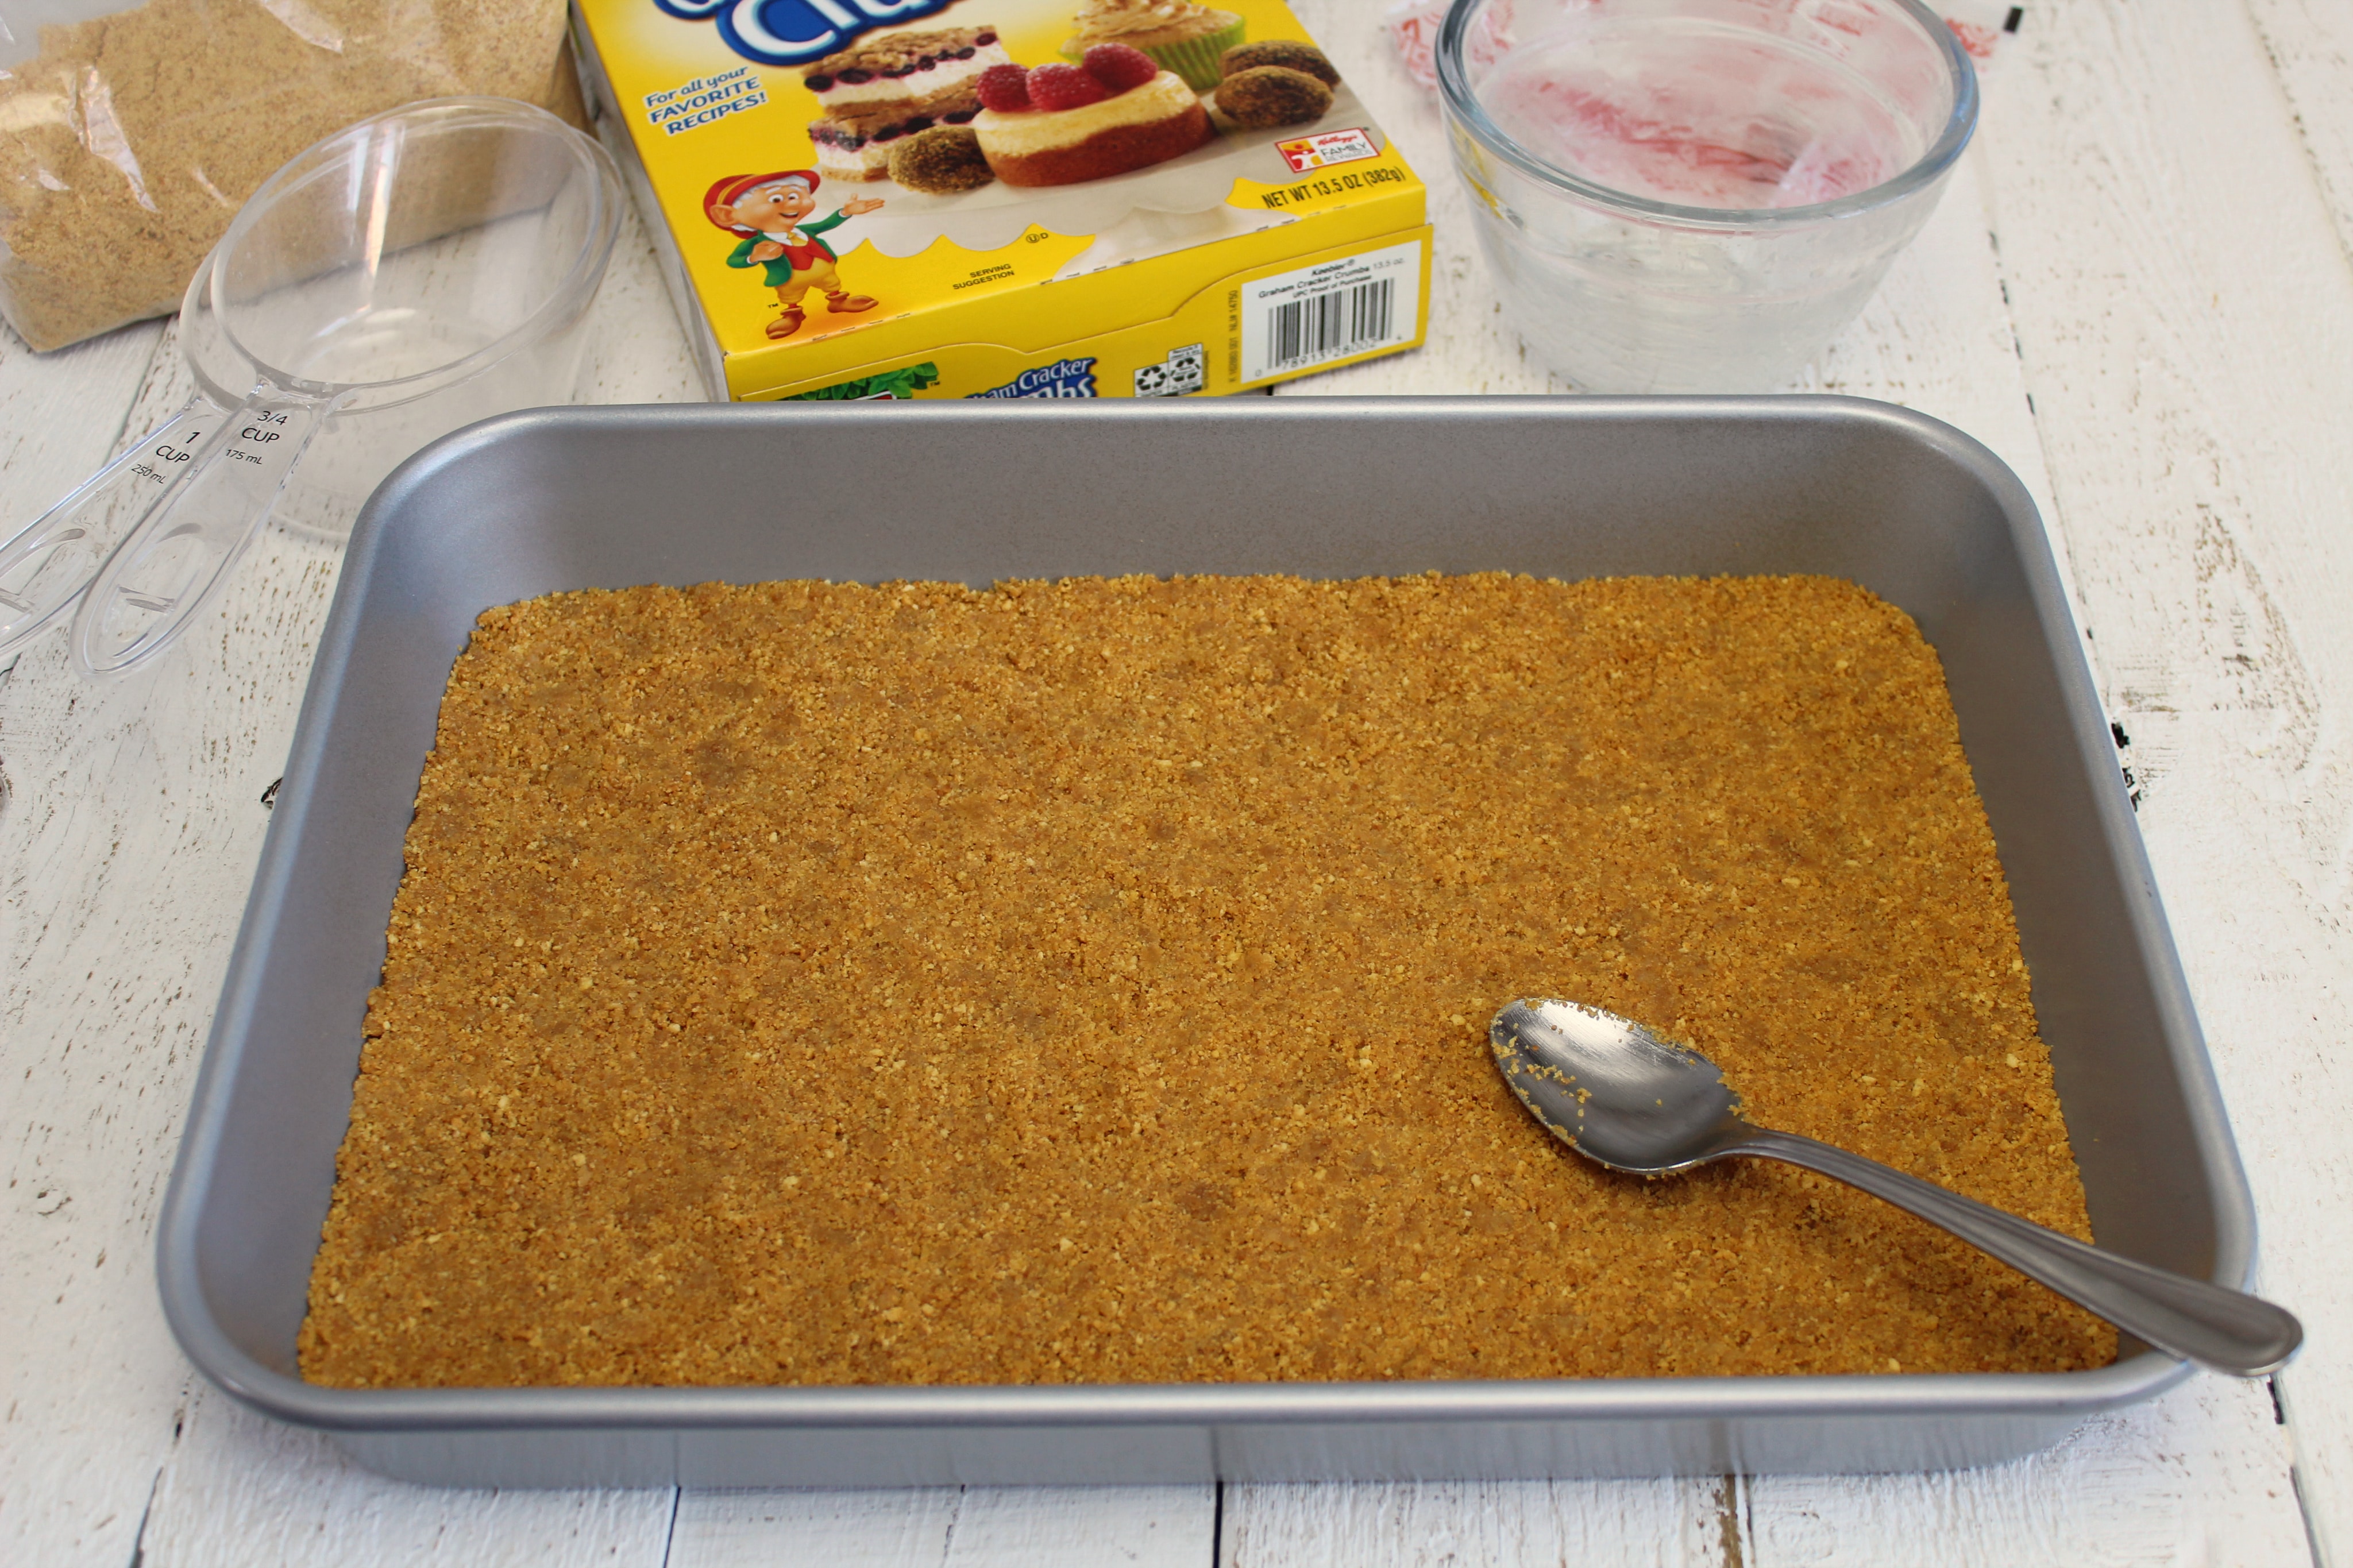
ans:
(1088, 981)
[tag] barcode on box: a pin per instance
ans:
(1332, 326)
(1330, 311)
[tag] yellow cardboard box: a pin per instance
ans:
(838, 216)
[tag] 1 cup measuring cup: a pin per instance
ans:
(1695, 195)
(45, 565)
(410, 275)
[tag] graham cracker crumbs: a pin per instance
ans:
(130, 141)
(1088, 981)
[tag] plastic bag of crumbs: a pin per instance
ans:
(130, 135)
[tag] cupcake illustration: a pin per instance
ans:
(1181, 36)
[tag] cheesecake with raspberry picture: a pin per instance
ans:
(886, 89)
(1113, 113)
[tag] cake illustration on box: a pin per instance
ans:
(886, 90)
(1113, 113)
(1178, 35)
(945, 161)
(1275, 83)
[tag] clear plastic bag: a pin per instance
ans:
(129, 135)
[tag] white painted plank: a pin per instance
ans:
(1496, 1524)
(947, 1527)
(61, 415)
(1083, 1527)
(247, 1492)
(92, 1383)
(2186, 317)
(2161, 1485)
(903, 1529)
(636, 350)
(2310, 43)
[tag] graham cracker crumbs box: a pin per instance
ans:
(1006, 198)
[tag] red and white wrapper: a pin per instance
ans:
(1980, 25)
(1413, 29)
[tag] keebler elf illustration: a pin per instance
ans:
(767, 210)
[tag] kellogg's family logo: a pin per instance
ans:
(1063, 378)
(795, 32)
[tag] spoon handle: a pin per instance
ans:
(2227, 1330)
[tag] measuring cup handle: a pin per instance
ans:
(178, 558)
(45, 567)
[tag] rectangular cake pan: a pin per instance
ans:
(610, 497)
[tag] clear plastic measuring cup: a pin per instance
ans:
(411, 274)
(46, 566)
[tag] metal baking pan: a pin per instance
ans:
(608, 497)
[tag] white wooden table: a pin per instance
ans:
(2139, 290)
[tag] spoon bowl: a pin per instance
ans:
(1613, 1090)
(1622, 1097)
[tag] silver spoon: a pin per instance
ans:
(1617, 1094)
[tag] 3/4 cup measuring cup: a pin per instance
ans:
(415, 272)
